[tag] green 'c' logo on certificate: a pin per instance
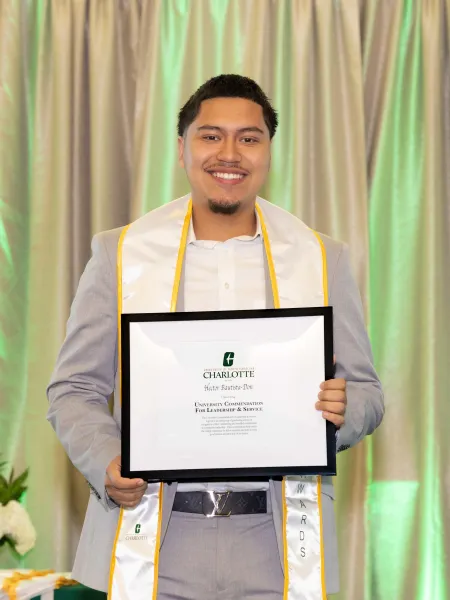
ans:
(228, 359)
(137, 529)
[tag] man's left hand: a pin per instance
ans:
(333, 401)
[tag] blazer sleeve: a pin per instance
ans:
(354, 361)
(84, 375)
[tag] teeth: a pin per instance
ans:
(228, 175)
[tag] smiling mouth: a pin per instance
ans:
(227, 178)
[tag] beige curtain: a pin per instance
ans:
(89, 95)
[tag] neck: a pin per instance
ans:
(220, 228)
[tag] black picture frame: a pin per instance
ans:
(232, 474)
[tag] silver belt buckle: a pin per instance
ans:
(219, 501)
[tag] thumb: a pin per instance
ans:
(113, 469)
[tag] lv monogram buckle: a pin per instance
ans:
(215, 504)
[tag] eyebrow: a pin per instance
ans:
(242, 130)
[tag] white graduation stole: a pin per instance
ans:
(149, 263)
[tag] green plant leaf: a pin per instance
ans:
(18, 484)
(18, 494)
(22, 478)
(12, 489)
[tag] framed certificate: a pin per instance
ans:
(226, 394)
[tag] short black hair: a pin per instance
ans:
(227, 86)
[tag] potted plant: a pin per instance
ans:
(16, 528)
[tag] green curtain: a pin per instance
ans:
(408, 501)
(89, 95)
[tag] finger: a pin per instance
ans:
(333, 384)
(140, 490)
(332, 396)
(123, 482)
(338, 420)
(125, 499)
(113, 473)
(131, 500)
(337, 408)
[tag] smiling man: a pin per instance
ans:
(226, 154)
(222, 539)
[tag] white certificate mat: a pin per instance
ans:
(226, 394)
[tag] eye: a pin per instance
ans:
(210, 138)
(250, 140)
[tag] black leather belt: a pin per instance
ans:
(221, 504)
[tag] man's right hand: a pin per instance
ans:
(125, 492)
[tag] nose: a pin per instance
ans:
(228, 151)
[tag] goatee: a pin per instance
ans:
(223, 208)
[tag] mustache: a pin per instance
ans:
(229, 165)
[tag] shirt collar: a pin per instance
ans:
(191, 239)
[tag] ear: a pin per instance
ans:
(181, 151)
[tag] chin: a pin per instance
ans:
(224, 207)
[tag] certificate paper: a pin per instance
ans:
(225, 394)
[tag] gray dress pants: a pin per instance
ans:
(220, 558)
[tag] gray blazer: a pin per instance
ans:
(84, 379)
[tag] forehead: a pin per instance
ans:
(230, 113)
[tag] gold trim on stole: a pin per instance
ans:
(322, 549)
(285, 546)
(180, 258)
(112, 564)
(319, 479)
(158, 543)
(324, 268)
(270, 264)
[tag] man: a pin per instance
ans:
(231, 251)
